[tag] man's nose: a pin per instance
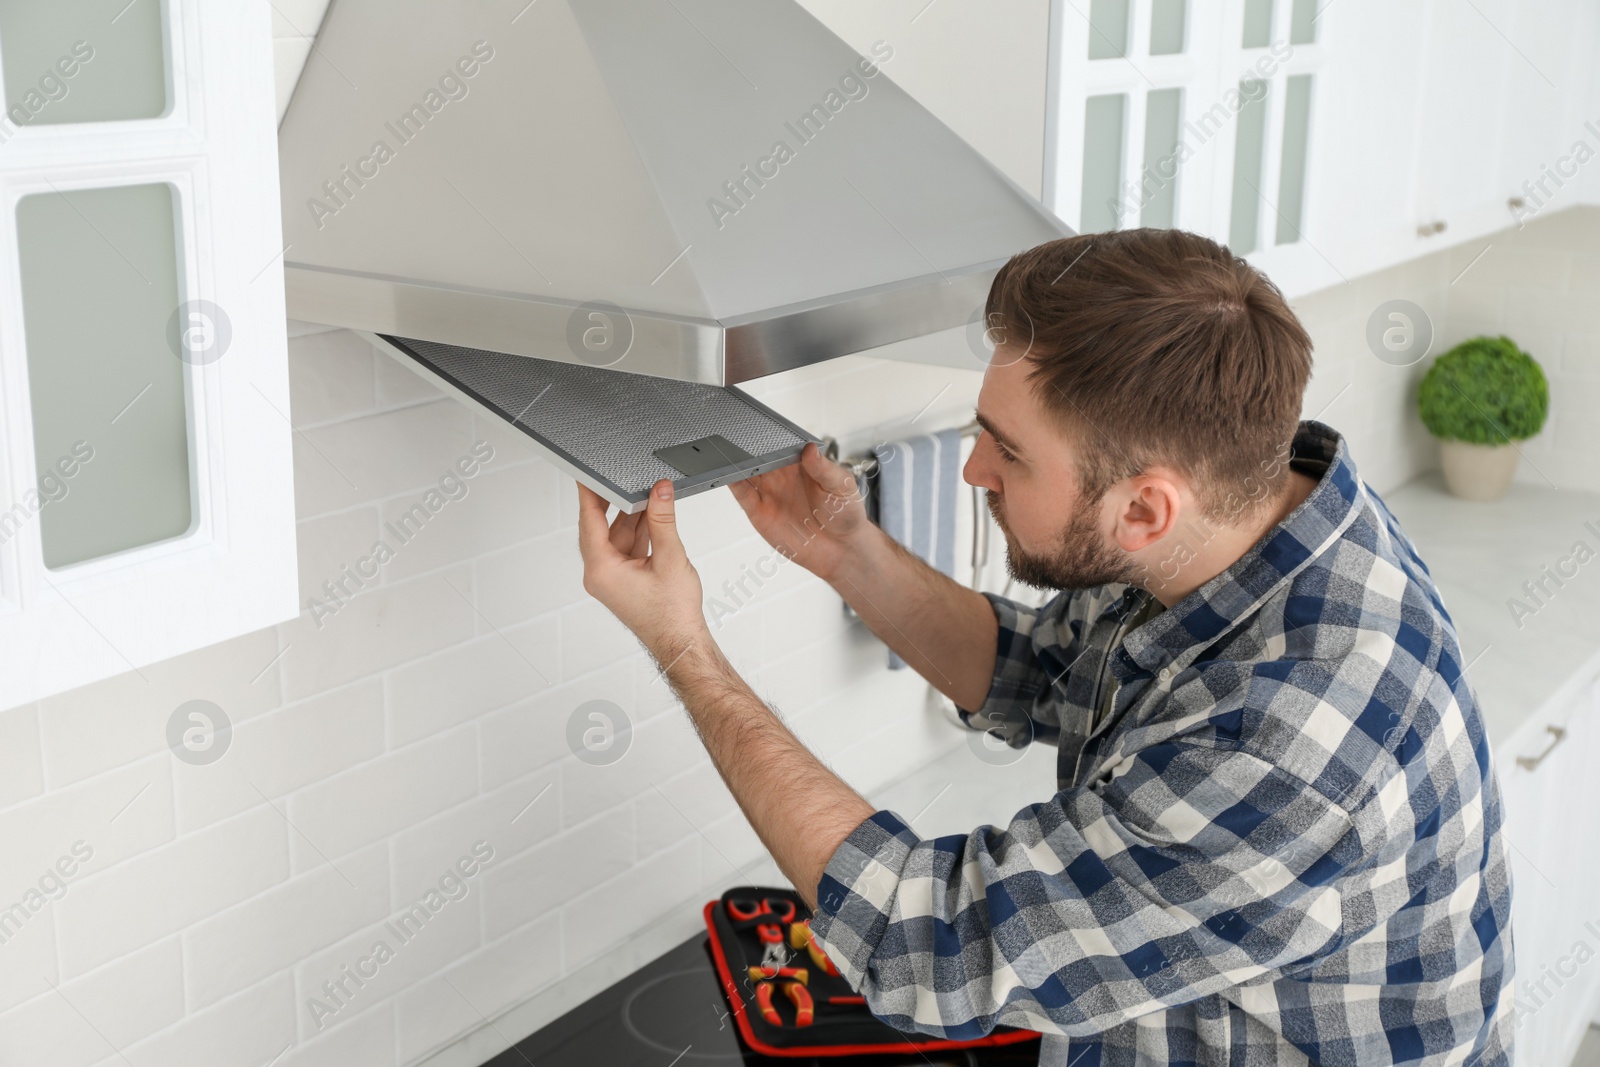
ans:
(978, 470)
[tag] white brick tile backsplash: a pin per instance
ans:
(99, 1013)
(159, 892)
(676, 807)
(428, 946)
(397, 384)
(30, 959)
(367, 1040)
(271, 932)
(124, 718)
(276, 753)
(510, 820)
(327, 545)
(380, 455)
(532, 577)
(665, 884)
(380, 627)
(730, 851)
(246, 1030)
(660, 748)
(533, 733)
(810, 613)
(330, 377)
(382, 797)
(497, 507)
(461, 683)
(591, 638)
(479, 987)
(119, 814)
(543, 878)
(21, 758)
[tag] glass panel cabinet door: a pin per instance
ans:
(146, 491)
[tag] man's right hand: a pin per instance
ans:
(810, 511)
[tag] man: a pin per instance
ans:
(1277, 836)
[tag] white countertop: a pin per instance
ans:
(1480, 556)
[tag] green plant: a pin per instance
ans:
(1486, 391)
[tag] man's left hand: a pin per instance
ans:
(637, 567)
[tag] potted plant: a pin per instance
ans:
(1478, 399)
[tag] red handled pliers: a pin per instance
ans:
(771, 933)
(804, 1007)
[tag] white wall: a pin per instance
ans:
(1540, 286)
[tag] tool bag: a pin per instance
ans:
(802, 1007)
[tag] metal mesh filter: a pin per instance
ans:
(608, 422)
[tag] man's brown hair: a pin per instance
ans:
(1160, 348)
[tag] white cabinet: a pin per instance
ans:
(1369, 133)
(1552, 797)
(146, 491)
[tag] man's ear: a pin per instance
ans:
(1150, 506)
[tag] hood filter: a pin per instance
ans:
(617, 433)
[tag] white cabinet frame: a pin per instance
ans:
(233, 571)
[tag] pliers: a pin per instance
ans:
(800, 937)
(770, 933)
(804, 1009)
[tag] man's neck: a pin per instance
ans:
(1201, 550)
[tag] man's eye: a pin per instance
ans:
(1005, 453)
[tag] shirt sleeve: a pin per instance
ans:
(1020, 707)
(1190, 870)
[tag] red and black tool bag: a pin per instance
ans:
(840, 1029)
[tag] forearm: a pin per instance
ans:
(799, 808)
(943, 630)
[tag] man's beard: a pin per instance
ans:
(1081, 559)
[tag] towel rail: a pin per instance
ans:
(868, 465)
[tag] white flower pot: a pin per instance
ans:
(1478, 472)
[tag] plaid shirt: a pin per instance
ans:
(1282, 844)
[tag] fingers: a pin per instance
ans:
(828, 474)
(662, 522)
(639, 544)
(594, 541)
(625, 530)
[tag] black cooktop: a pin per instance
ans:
(671, 1013)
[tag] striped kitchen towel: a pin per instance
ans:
(918, 484)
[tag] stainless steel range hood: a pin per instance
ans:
(703, 190)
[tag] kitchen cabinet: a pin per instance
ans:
(1324, 141)
(1551, 795)
(146, 492)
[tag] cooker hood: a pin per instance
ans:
(702, 190)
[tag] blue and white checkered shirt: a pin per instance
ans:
(1282, 845)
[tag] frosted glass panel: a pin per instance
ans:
(110, 426)
(1166, 27)
(1108, 29)
(83, 60)
(1296, 137)
(1160, 179)
(1102, 163)
(1302, 22)
(1248, 155)
(1257, 23)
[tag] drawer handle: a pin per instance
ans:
(1531, 763)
